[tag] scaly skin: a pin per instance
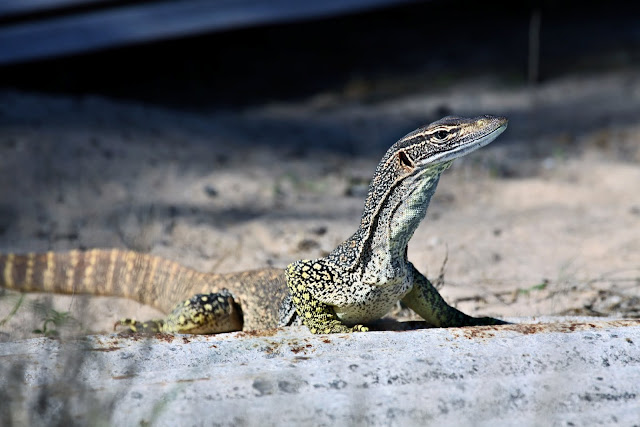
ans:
(365, 276)
(358, 282)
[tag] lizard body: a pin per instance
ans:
(358, 282)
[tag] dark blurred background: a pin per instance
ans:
(370, 51)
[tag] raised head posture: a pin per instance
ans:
(358, 282)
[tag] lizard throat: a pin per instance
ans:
(406, 207)
(412, 209)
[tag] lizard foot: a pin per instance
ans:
(333, 327)
(132, 325)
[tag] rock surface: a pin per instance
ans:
(576, 372)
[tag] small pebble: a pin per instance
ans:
(210, 191)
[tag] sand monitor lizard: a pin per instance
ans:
(358, 282)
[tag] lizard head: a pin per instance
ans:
(422, 155)
(404, 182)
(443, 141)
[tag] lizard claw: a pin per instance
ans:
(133, 325)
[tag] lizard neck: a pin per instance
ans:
(399, 195)
(406, 208)
(378, 249)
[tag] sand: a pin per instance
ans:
(545, 221)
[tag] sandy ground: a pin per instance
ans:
(544, 221)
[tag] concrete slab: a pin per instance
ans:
(570, 373)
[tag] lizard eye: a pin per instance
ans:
(441, 134)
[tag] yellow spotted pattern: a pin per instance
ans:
(319, 317)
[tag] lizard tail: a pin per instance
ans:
(142, 277)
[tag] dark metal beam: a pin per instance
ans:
(128, 24)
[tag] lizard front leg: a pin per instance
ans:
(425, 300)
(319, 317)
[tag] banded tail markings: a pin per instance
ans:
(15, 272)
(89, 269)
(99, 272)
(28, 273)
(152, 271)
(152, 283)
(7, 272)
(130, 264)
(174, 270)
(70, 270)
(111, 271)
(48, 276)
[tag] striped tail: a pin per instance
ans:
(145, 278)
